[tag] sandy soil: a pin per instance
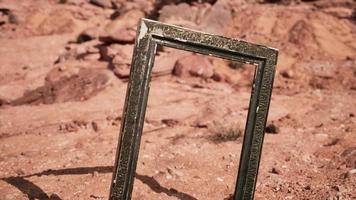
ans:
(63, 74)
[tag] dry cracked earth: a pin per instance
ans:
(64, 66)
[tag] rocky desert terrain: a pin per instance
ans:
(64, 67)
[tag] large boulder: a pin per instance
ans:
(54, 22)
(209, 18)
(80, 86)
(123, 28)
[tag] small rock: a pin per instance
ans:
(5, 11)
(333, 142)
(350, 173)
(95, 174)
(102, 3)
(172, 13)
(80, 123)
(338, 188)
(219, 179)
(89, 34)
(225, 71)
(287, 74)
(91, 56)
(96, 197)
(307, 187)
(174, 172)
(123, 6)
(168, 176)
(57, 21)
(348, 129)
(202, 124)
(73, 2)
(333, 198)
(117, 54)
(170, 122)
(218, 77)
(92, 49)
(272, 128)
(11, 17)
(68, 127)
(20, 172)
(193, 65)
(350, 157)
(54, 197)
(95, 126)
(307, 158)
(121, 71)
(60, 72)
(274, 170)
(165, 61)
(80, 50)
(217, 18)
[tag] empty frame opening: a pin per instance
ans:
(194, 126)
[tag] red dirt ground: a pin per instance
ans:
(63, 75)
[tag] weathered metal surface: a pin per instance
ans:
(149, 35)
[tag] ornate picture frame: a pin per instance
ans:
(150, 34)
